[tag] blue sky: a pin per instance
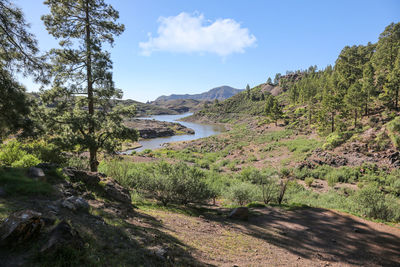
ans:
(200, 44)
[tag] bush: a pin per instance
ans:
(309, 181)
(394, 131)
(17, 154)
(243, 193)
(11, 152)
(336, 139)
(26, 161)
(176, 183)
(81, 163)
(45, 152)
(370, 201)
(167, 183)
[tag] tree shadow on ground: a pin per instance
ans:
(115, 235)
(323, 234)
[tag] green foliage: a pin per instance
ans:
(394, 131)
(335, 139)
(26, 161)
(17, 154)
(272, 108)
(81, 66)
(370, 201)
(309, 181)
(11, 152)
(167, 183)
(243, 193)
(18, 54)
(79, 162)
(44, 151)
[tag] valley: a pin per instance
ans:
(300, 168)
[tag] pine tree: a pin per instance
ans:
(384, 60)
(368, 86)
(354, 100)
(81, 67)
(248, 91)
(18, 54)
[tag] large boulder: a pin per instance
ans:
(63, 235)
(20, 226)
(241, 213)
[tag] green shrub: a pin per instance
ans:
(11, 152)
(370, 201)
(309, 181)
(167, 183)
(394, 131)
(45, 152)
(243, 193)
(336, 139)
(26, 161)
(301, 173)
(393, 208)
(176, 183)
(81, 163)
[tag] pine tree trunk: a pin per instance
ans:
(355, 119)
(93, 159)
(332, 122)
(397, 99)
(92, 149)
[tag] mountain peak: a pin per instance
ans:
(220, 93)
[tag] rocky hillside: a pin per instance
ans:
(153, 128)
(220, 93)
(143, 109)
(181, 105)
(242, 104)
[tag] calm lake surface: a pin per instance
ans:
(201, 130)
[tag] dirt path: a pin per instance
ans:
(275, 237)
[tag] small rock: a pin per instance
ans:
(20, 227)
(61, 236)
(53, 208)
(161, 252)
(75, 203)
(241, 213)
(35, 172)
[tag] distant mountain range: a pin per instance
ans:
(220, 93)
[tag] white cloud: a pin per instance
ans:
(186, 33)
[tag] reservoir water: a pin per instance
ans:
(201, 130)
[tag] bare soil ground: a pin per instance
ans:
(277, 237)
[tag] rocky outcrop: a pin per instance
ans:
(98, 182)
(152, 128)
(88, 178)
(63, 235)
(116, 191)
(321, 157)
(20, 226)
